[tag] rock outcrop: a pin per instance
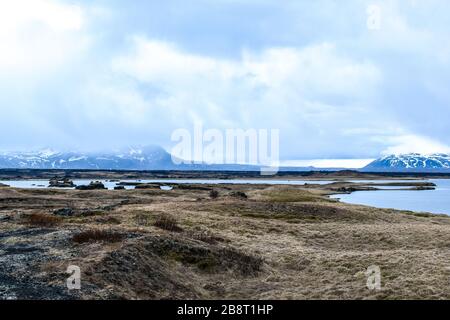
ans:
(94, 185)
(61, 183)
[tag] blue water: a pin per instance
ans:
(433, 201)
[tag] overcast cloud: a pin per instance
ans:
(105, 74)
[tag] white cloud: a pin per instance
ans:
(155, 61)
(328, 163)
(319, 67)
(411, 143)
(303, 91)
(317, 97)
(312, 69)
(39, 35)
(18, 14)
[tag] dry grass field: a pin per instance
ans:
(245, 242)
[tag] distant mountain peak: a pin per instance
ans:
(47, 152)
(132, 158)
(416, 162)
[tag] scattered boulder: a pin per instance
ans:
(119, 188)
(346, 189)
(64, 212)
(61, 183)
(94, 185)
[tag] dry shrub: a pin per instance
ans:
(41, 220)
(213, 194)
(168, 223)
(238, 194)
(97, 236)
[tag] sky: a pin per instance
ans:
(89, 75)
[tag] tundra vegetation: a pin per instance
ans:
(216, 242)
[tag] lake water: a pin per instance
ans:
(111, 184)
(433, 201)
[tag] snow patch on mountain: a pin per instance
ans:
(132, 158)
(411, 162)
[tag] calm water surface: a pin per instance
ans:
(434, 201)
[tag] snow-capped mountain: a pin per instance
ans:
(146, 158)
(411, 162)
(132, 158)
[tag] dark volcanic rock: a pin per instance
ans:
(64, 212)
(191, 187)
(20, 261)
(148, 186)
(94, 185)
(21, 248)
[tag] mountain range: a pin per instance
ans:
(132, 158)
(156, 158)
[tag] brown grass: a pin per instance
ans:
(143, 219)
(97, 236)
(247, 264)
(292, 195)
(206, 237)
(41, 220)
(281, 243)
(167, 222)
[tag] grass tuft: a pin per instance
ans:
(42, 220)
(97, 236)
(213, 194)
(168, 223)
